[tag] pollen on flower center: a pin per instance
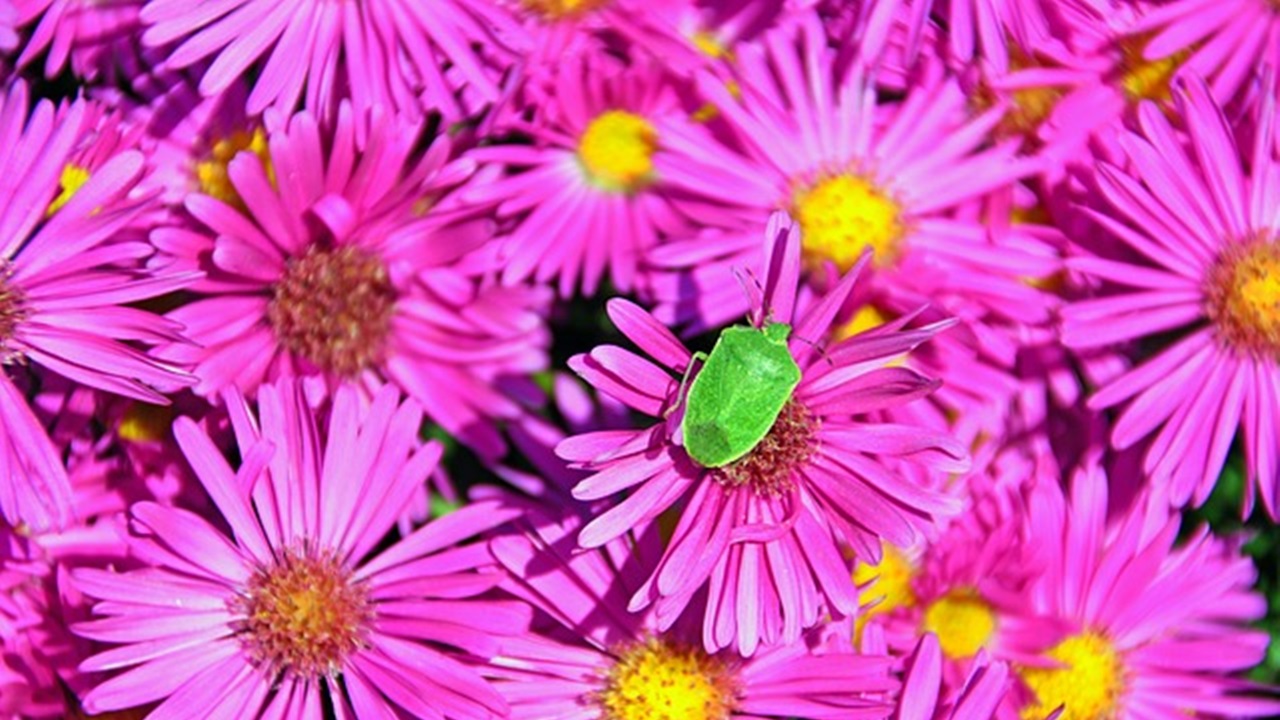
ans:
(334, 307)
(562, 9)
(1144, 79)
(1088, 684)
(841, 215)
(770, 466)
(659, 680)
(12, 312)
(211, 172)
(1243, 292)
(888, 584)
(144, 422)
(963, 622)
(73, 178)
(617, 150)
(303, 615)
(889, 581)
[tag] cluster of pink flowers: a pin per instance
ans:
(623, 360)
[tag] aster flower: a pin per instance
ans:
(91, 35)
(1152, 630)
(1195, 260)
(67, 280)
(597, 661)
(855, 173)
(390, 53)
(763, 534)
(1226, 43)
(587, 201)
(300, 601)
(967, 587)
(342, 266)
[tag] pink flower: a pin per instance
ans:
(391, 54)
(67, 282)
(91, 34)
(301, 601)
(586, 201)
(600, 662)
(1151, 630)
(1198, 258)
(763, 535)
(348, 266)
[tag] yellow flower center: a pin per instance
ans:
(72, 179)
(962, 621)
(710, 45)
(1088, 685)
(617, 151)
(866, 318)
(843, 214)
(303, 615)
(1243, 291)
(144, 422)
(212, 171)
(889, 582)
(562, 9)
(1147, 79)
(659, 680)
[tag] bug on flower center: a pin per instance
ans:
(734, 419)
(963, 622)
(617, 151)
(1243, 292)
(211, 172)
(658, 680)
(1088, 684)
(334, 307)
(304, 615)
(841, 215)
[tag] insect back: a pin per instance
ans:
(737, 395)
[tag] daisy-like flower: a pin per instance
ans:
(90, 34)
(854, 173)
(763, 534)
(967, 588)
(67, 278)
(301, 604)
(389, 53)
(587, 200)
(1226, 43)
(600, 662)
(1196, 258)
(1151, 630)
(341, 267)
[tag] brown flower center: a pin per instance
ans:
(303, 615)
(333, 307)
(12, 313)
(768, 469)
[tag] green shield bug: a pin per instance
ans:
(737, 395)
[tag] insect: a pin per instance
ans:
(736, 397)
